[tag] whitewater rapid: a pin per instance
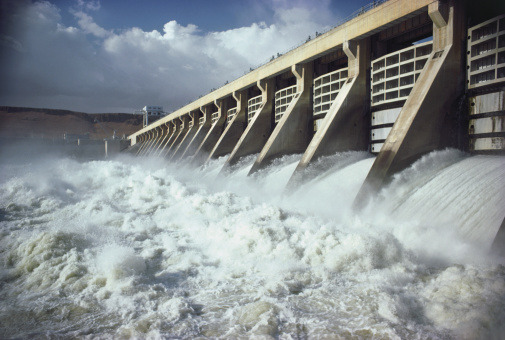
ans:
(137, 247)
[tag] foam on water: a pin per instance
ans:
(142, 248)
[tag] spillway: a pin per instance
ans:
(122, 249)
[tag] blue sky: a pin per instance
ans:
(116, 56)
(208, 15)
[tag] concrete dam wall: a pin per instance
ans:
(401, 79)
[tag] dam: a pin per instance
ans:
(398, 80)
(236, 217)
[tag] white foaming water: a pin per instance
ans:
(141, 248)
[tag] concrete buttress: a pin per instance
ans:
(181, 132)
(161, 140)
(293, 132)
(259, 128)
(168, 132)
(186, 139)
(214, 132)
(173, 132)
(201, 132)
(157, 141)
(233, 129)
(345, 126)
(420, 124)
(152, 137)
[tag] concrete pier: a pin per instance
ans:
(188, 136)
(420, 125)
(260, 124)
(293, 131)
(345, 125)
(182, 129)
(235, 126)
(218, 120)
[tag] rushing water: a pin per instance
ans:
(141, 248)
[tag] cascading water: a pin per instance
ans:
(141, 248)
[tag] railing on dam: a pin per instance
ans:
(486, 71)
(326, 89)
(231, 113)
(214, 117)
(190, 124)
(201, 121)
(394, 75)
(253, 106)
(486, 53)
(282, 100)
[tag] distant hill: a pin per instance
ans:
(24, 122)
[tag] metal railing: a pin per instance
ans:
(231, 113)
(282, 100)
(326, 89)
(253, 105)
(214, 117)
(486, 53)
(394, 75)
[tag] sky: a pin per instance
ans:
(118, 56)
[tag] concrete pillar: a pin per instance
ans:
(188, 136)
(294, 131)
(172, 126)
(181, 132)
(259, 128)
(143, 140)
(498, 246)
(420, 126)
(345, 126)
(166, 134)
(150, 140)
(157, 140)
(233, 129)
(201, 132)
(214, 132)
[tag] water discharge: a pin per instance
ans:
(143, 248)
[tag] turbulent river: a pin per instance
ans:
(138, 247)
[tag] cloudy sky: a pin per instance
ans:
(119, 55)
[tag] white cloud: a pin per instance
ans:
(91, 5)
(91, 69)
(87, 24)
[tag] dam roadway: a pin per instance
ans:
(400, 79)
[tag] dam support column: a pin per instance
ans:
(259, 127)
(159, 138)
(167, 133)
(204, 124)
(192, 127)
(293, 132)
(139, 140)
(218, 120)
(176, 127)
(181, 132)
(345, 125)
(173, 126)
(144, 141)
(152, 137)
(235, 126)
(420, 126)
